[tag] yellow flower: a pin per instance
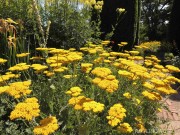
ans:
(108, 85)
(3, 89)
(18, 89)
(148, 85)
(38, 67)
(101, 71)
(125, 73)
(61, 69)
(116, 114)
(120, 10)
(134, 52)
(157, 82)
(152, 95)
(172, 68)
(47, 126)
(96, 80)
(77, 102)
(27, 109)
(22, 55)
(36, 58)
(105, 42)
(69, 76)
(48, 73)
(41, 49)
(141, 128)
(74, 91)
(166, 90)
(86, 67)
(94, 106)
(2, 61)
(136, 101)
(19, 67)
(127, 95)
(125, 128)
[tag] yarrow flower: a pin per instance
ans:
(172, 68)
(47, 126)
(127, 95)
(19, 67)
(116, 114)
(26, 110)
(78, 101)
(109, 83)
(152, 95)
(94, 106)
(125, 128)
(18, 89)
(86, 67)
(3, 89)
(22, 55)
(101, 71)
(2, 61)
(74, 91)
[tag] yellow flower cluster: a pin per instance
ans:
(98, 5)
(172, 68)
(116, 114)
(27, 109)
(140, 124)
(18, 89)
(47, 126)
(74, 91)
(109, 83)
(3, 89)
(8, 76)
(127, 95)
(39, 67)
(86, 104)
(86, 67)
(93, 106)
(152, 95)
(19, 67)
(2, 61)
(125, 128)
(101, 72)
(69, 76)
(22, 55)
(48, 73)
(153, 45)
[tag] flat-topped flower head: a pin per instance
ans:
(26, 110)
(47, 126)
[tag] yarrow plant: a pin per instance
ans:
(90, 91)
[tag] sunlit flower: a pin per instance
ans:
(22, 55)
(18, 89)
(101, 71)
(69, 76)
(47, 126)
(127, 95)
(74, 91)
(125, 128)
(152, 95)
(3, 89)
(172, 68)
(27, 109)
(116, 114)
(93, 106)
(2, 61)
